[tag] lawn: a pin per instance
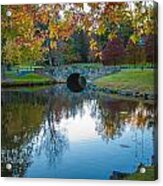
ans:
(137, 66)
(31, 77)
(135, 80)
(149, 175)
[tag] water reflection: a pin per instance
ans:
(73, 135)
(115, 118)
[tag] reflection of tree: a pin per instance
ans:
(20, 120)
(19, 158)
(141, 116)
(108, 127)
(114, 116)
(51, 141)
(22, 132)
(65, 104)
(31, 123)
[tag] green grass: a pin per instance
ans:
(31, 78)
(135, 80)
(145, 65)
(149, 175)
(27, 66)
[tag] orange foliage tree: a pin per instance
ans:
(36, 31)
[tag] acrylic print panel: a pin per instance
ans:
(79, 90)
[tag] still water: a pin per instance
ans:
(54, 133)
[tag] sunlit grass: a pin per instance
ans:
(31, 77)
(136, 80)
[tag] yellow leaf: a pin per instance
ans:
(53, 44)
(135, 38)
(112, 35)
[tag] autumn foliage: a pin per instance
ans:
(77, 32)
(113, 52)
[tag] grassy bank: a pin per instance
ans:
(135, 80)
(30, 79)
(149, 175)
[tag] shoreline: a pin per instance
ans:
(125, 94)
(129, 94)
(15, 84)
(150, 174)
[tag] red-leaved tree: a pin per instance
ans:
(113, 52)
(151, 48)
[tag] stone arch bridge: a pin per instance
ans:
(61, 73)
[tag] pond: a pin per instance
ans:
(54, 133)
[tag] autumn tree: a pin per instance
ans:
(113, 52)
(82, 31)
(81, 45)
(151, 48)
(132, 52)
(20, 44)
